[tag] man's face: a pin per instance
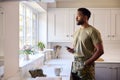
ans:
(80, 18)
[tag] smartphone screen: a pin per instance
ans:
(67, 47)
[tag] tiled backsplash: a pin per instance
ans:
(111, 50)
(63, 52)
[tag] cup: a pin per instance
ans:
(57, 71)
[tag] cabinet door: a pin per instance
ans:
(115, 24)
(101, 21)
(118, 75)
(113, 69)
(1, 33)
(102, 72)
(116, 71)
(72, 24)
(58, 29)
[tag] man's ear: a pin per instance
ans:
(86, 17)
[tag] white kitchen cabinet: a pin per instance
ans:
(72, 22)
(62, 23)
(115, 24)
(118, 72)
(1, 32)
(107, 71)
(101, 21)
(107, 22)
(58, 25)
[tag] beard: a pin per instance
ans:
(80, 22)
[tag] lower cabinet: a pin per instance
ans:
(107, 71)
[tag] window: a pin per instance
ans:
(28, 29)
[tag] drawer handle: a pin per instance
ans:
(113, 35)
(109, 36)
(67, 35)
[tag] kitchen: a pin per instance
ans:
(111, 44)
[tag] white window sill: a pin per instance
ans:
(23, 62)
(34, 57)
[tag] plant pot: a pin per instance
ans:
(41, 49)
(26, 57)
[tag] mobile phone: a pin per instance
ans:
(67, 47)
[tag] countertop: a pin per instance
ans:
(64, 64)
(108, 61)
(68, 61)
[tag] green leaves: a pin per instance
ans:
(28, 49)
(41, 45)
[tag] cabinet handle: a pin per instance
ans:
(1, 12)
(113, 35)
(67, 35)
(109, 36)
(71, 35)
(110, 68)
(113, 68)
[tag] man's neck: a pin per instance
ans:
(85, 25)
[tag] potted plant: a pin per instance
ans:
(41, 45)
(27, 50)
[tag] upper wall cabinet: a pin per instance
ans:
(115, 24)
(62, 23)
(107, 22)
(100, 19)
(58, 25)
(1, 32)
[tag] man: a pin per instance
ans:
(87, 47)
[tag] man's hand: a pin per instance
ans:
(71, 50)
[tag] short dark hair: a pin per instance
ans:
(85, 12)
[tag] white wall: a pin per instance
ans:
(43, 27)
(1, 32)
(87, 3)
(11, 37)
(63, 52)
(43, 5)
(111, 50)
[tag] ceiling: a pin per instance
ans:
(57, 0)
(67, 0)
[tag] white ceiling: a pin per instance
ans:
(67, 0)
(56, 0)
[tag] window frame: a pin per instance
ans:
(33, 37)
